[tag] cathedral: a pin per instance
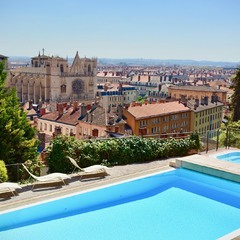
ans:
(51, 79)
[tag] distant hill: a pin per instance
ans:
(144, 62)
(166, 62)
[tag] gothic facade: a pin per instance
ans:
(51, 79)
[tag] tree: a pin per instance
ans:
(235, 99)
(17, 138)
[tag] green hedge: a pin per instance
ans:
(112, 152)
(3, 172)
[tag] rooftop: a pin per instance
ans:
(197, 88)
(151, 110)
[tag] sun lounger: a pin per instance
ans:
(49, 178)
(6, 187)
(89, 172)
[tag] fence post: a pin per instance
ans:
(207, 143)
(227, 138)
(18, 172)
(217, 139)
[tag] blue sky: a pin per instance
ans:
(153, 29)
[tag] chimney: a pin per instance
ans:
(88, 107)
(197, 102)
(119, 111)
(212, 98)
(105, 87)
(60, 110)
(206, 100)
(120, 87)
(133, 104)
(30, 104)
(83, 110)
(183, 100)
(111, 120)
(42, 111)
(75, 105)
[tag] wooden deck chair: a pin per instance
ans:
(93, 171)
(7, 187)
(49, 178)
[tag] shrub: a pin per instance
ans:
(3, 172)
(114, 151)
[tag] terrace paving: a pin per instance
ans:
(27, 196)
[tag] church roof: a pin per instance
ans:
(76, 65)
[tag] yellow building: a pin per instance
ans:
(207, 115)
(158, 118)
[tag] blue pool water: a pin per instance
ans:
(230, 157)
(178, 204)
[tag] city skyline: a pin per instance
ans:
(196, 30)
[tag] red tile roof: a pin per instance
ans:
(151, 110)
(68, 117)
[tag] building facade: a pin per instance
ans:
(158, 118)
(207, 115)
(197, 92)
(112, 95)
(52, 79)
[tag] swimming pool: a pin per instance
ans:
(230, 157)
(179, 204)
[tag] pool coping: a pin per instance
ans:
(210, 165)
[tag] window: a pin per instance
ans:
(63, 88)
(142, 123)
(184, 124)
(165, 119)
(184, 115)
(174, 117)
(45, 126)
(165, 128)
(50, 128)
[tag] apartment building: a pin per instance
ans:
(158, 118)
(115, 94)
(64, 120)
(197, 92)
(110, 77)
(82, 121)
(206, 115)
